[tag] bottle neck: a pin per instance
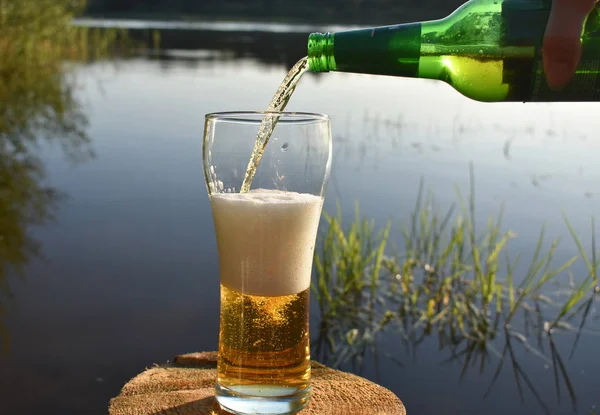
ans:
(387, 50)
(321, 56)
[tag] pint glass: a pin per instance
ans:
(265, 238)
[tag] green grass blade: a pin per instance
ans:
(576, 296)
(511, 289)
(413, 229)
(579, 245)
(378, 258)
(550, 275)
(534, 261)
(526, 284)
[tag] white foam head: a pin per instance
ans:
(266, 240)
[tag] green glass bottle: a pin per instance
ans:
(488, 50)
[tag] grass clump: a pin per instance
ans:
(450, 282)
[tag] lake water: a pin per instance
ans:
(130, 276)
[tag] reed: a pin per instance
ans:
(446, 279)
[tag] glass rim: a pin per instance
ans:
(256, 117)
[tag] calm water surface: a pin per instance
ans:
(130, 275)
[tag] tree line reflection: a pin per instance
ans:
(38, 102)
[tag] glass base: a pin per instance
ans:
(262, 399)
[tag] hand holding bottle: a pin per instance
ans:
(562, 46)
(487, 50)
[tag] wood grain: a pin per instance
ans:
(186, 386)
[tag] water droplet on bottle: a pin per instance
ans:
(285, 147)
(481, 51)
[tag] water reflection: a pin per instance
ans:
(447, 284)
(38, 103)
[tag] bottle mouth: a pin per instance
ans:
(320, 52)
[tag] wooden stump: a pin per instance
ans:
(186, 386)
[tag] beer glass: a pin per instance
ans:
(265, 238)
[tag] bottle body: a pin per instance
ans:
(488, 50)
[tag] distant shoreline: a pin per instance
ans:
(216, 26)
(373, 18)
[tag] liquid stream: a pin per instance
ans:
(265, 130)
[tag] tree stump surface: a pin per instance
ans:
(186, 386)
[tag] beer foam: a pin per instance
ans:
(266, 240)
